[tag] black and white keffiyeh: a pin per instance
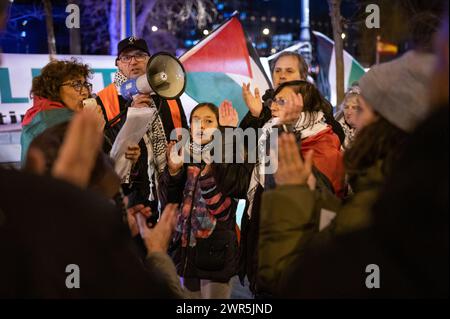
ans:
(154, 138)
(302, 127)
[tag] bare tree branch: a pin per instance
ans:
(50, 31)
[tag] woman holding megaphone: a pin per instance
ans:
(57, 93)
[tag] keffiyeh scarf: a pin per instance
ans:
(302, 127)
(155, 141)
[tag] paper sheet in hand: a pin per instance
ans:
(137, 123)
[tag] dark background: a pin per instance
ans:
(26, 30)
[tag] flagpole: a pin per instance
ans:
(377, 59)
(127, 18)
(305, 36)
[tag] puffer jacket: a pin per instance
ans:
(292, 217)
(205, 245)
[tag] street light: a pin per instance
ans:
(266, 31)
(154, 28)
(343, 36)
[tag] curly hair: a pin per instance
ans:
(55, 73)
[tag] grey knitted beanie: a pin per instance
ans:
(399, 90)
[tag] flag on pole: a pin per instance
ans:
(218, 66)
(326, 58)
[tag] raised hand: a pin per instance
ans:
(133, 153)
(141, 100)
(292, 170)
(77, 155)
(290, 112)
(132, 217)
(253, 102)
(174, 158)
(157, 239)
(228, 115)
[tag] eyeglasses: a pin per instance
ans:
(78, 85)
(138, 57)
(279, 101)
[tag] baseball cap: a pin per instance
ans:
(134, 43)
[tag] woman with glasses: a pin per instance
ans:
(57, 93)
(348, 114)
(296, 106)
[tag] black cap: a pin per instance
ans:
(134, 43)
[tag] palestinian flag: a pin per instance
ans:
(44, 114)
(218, 66)
(326, 58)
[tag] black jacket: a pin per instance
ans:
(408, 241)
(216, 257)
(58, 225)
(138, 190)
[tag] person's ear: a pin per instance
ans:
(35, 161)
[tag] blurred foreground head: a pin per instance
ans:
(440, 82)
(103, 179)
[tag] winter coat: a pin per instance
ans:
(408, 239)
(61, 231)
(138, 188)
(292, 216)
(206, 242)
(42, 115)
(328, 162)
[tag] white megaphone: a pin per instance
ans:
(165, 76)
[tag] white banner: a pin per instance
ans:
(16, 75)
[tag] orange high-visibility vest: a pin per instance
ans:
(110, 100)
(176, 115)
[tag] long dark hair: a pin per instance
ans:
(229, 177)
(314, 102)
(378, 141)
(212, 107)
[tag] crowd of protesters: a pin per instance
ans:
(365, 185)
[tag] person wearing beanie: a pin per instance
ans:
(408, 241)
(393, 101)
(398, 90)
